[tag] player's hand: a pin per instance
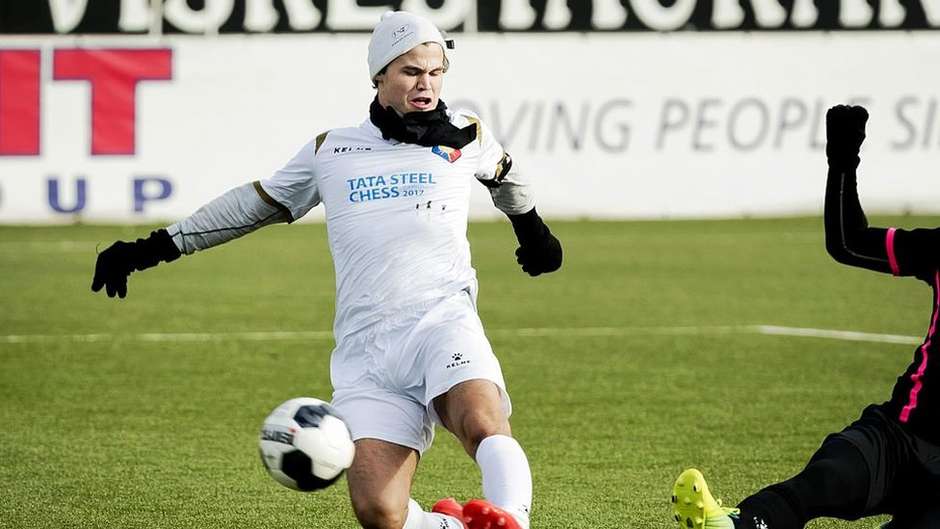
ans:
(540, 258)
(539, 251)
(117, 262)
(845, 132)
(112, 268)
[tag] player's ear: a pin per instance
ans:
(379, 77)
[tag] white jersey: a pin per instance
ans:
(396, 215)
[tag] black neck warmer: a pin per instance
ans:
(421, 128)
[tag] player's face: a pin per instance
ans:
(412, 82)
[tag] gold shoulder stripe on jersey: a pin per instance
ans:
(271, 202)
(320, 139)
(476, 123)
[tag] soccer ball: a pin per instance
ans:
(305, 445)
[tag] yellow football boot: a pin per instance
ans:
(694, 507)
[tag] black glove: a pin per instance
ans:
(845, 132)
(121, 258)
(539, 251)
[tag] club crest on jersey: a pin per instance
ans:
(447, 153)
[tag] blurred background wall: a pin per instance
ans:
(142, 110)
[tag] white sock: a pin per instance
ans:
(507, 481)
(418, 519)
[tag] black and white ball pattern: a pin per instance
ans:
(305, 445)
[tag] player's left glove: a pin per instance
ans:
(845, 132)
(539, 251)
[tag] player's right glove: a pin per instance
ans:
(845, 132)
(539, 251)
(121, 258)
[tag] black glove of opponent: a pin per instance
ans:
(121, 258)
(845, 132)
(539, 251)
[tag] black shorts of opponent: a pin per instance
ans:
(904, 470)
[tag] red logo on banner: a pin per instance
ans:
(19, 102)
(113, 75)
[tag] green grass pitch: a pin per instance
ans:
(115, 416)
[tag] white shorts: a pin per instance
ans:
(386, 378)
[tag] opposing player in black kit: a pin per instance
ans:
(888, 461)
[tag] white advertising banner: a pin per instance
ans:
(606, 125)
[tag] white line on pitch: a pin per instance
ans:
(770, 330)
(554, 332)
(852, 336)
(90, 246)
(53, 246)
(171, 336)
(259, 336)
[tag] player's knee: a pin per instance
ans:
(373, 513)
(480, 424)
(840, 465)
(838, 484)
(840, 476)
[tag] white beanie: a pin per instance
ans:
(396, 34)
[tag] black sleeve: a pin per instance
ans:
(915, 252)
(849, 239)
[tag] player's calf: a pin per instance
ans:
(379, 515)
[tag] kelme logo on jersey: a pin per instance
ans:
(448, 153)
(343, 149)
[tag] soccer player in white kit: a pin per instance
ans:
(410, 347)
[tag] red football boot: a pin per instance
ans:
(481, 514)
(450, 507)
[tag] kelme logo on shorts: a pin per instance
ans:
(457, 361)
